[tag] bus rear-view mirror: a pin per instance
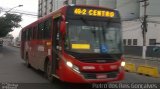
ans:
(63, 27)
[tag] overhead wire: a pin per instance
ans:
(20, 12)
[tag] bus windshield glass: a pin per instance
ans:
(93, 37)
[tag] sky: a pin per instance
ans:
(28, 6)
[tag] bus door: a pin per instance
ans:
(34, 46)
(23, 39)
(56, 44)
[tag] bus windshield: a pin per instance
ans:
(93, 37)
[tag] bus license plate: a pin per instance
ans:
(101, 76)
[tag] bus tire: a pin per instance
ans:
(27, 61)
(47, 70)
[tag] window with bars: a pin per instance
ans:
(129, 42)
(124, 42)
(135, 41)
(152, 41)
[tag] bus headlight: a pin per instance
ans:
(69, 64)
(73, 67)
(123, 63)
(122, 66)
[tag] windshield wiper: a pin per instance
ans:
(83, 20)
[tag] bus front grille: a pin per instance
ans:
(98, 60)
(94, 75)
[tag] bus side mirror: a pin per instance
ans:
(63, 27)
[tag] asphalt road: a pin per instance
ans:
(14, 72)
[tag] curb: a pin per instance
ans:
(130, 67)
(148, 70)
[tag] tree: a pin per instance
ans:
(8, 23)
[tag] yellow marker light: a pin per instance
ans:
(80, 46)
(48, 43)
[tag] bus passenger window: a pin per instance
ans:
(23, 36)
(30, 34)
(34, 33)
(27, 35)
(47, 29)
(40, 30)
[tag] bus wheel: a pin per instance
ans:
(27, 61)
(48, 71)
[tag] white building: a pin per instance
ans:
(130, 11)
(132, 32)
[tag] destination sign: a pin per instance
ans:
(94, 12)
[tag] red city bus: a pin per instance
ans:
(78, 44)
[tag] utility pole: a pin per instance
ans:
(144, 28)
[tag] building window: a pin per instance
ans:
(152, 41)
(135, 41)
(129, 41)
(124, 42)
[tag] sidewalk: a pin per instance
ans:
(137, 60)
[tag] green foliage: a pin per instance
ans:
(8, 23)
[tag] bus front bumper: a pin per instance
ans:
(69, 75)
